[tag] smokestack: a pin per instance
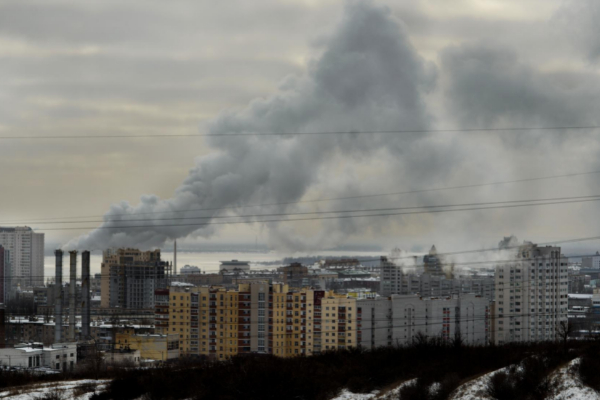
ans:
(85, 295)
(72, 292)
(175, 258)
(58, 297)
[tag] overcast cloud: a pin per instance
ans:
(109, 68)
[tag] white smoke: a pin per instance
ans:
(369, 77)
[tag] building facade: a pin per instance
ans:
(393, 280)
(399, 319)
(153, 347)
(531, 295)
(591, 262)
(26, 256)
(130, 277)
(4, 274)
(255, 318)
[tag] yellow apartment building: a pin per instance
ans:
(338, 322)
(257, 317)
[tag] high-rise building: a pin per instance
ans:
(393, 280)
(531, 295)
(432, 262)
(26, 256)
(130, 278)
(338, 322)
(400, 319)
(591, 262)
(257, 317)
(4, 274)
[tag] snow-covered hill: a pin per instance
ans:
(80, 390)
(568, 387)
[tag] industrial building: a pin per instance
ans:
(59, 356)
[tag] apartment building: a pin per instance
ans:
(256, 317)
(293, 321)
(4, 274)
(399, 319)
(130, 277)
(26, 256)
(531, 295)
(212, 321)
(394, 280)
(432, 263)
(338, 322)
(591, 262)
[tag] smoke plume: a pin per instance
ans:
(369, 77)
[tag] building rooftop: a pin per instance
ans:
(580, 296)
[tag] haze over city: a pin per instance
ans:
(306, 67)
(336, 200)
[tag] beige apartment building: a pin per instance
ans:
(257, 317)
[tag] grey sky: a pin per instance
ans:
(148, 67)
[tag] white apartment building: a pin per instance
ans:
(592, 262)
(26, 256)
(398, 319)
(393, 280)
(531, 295)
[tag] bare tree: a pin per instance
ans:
(563, 331)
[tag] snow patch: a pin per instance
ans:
(569, 386)
(67, 389)
(374, 395)
(476, 388)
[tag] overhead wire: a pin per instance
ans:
(534, 201)
(465, 186)
(320, 218)
(313, 133)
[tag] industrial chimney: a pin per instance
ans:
(85, 295)
(72, 292)
(58, 297)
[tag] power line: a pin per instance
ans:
(466, 186)
(315, 133)
(591, 198)
(318, 218)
